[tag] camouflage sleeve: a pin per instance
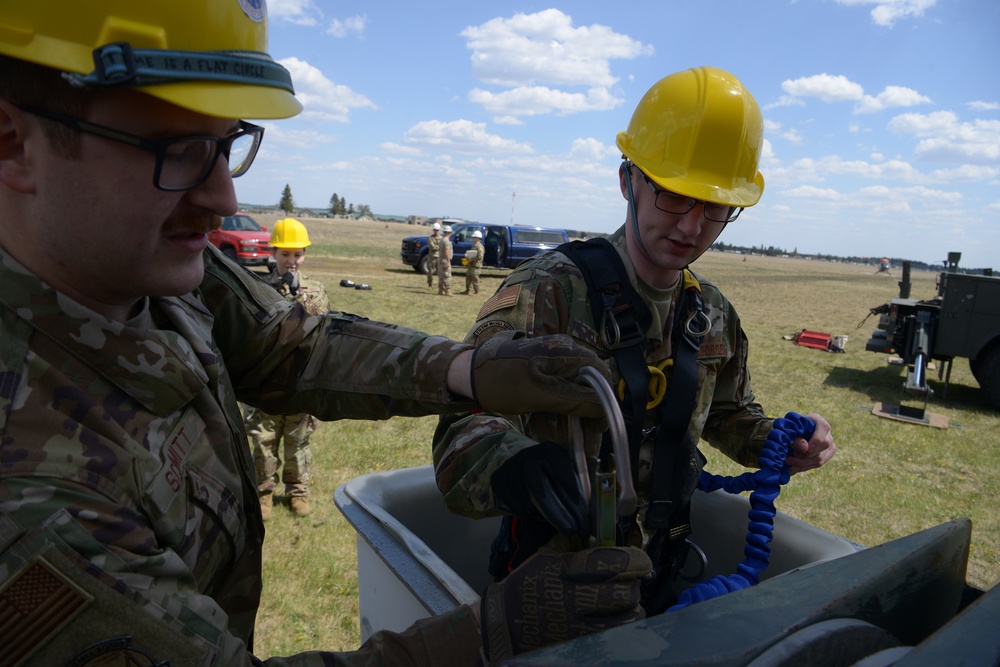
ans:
(441, 641)
(67, 598)
(332, 366)
(313, 296)
(736, 425)
(469, 447)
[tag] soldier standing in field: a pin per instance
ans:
(277, 437)
(433, 250)
(474, 263)
(444, 263)
(678, 356)
(130, 527)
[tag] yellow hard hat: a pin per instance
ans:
(289, 233)
(208, 56)
(699, 133)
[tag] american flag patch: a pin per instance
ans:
(34, 605)
(505, 298)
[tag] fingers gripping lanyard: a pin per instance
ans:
(765, 485)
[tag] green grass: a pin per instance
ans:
(888, 479)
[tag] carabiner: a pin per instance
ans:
(615, 331)
(608, 499)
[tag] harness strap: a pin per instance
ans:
(623, 319)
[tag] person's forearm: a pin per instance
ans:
(459, 378)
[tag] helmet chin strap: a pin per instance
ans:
(627, 166)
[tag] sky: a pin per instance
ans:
(882, 117)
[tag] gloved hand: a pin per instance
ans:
(541, 482)
(557, 595)
(514, 374)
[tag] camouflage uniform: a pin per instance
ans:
(444, 266)
(547, 294)
(127, 488)
(475, 255)
(433, 250)
(267, 432)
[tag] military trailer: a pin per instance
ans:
(962, 320)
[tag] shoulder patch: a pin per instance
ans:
(486, 329)
(505, 298)
(34, 605)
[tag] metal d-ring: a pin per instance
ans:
(703, 320)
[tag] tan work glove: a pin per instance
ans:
(558, 595)
(514, 374)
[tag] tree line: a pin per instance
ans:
(338, 205)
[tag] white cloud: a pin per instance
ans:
(323, 100)
(535, 100)
(792, 135)
(545, 48)
(398, 149)
(826, 87)
(461, 136)
(340, 29)
(979, 105)
(892, 96)
(302, 12)
(944, 138)
(534, 56)
(887, 12)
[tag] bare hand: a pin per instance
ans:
(806, 455)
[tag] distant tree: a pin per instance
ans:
(350, 210)
(365, 209)
(287, 204)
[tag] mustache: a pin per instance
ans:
(193, 222)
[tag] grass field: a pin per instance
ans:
(888, 479)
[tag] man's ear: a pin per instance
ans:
(15, 167)
(621, 181)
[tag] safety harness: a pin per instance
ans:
(623, 318)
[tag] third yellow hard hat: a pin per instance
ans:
(699, 133)
(289, 233)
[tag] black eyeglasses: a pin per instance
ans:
(671, 202)
(182, 163)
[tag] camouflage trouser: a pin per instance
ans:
(472, 279)
(444, 275)
(432, 269)
(266, 433)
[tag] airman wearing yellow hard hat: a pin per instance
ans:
(128, 341)
(280, 443)
(691, 164)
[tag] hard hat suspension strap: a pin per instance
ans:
(119, 65)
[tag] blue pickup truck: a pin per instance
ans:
(506, 245)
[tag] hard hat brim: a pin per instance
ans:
(228, 100)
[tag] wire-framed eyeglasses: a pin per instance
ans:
(671, 202)
(182, 163)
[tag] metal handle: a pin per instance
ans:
(625, 498)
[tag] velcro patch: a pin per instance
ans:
(505, 298)
(486, 329)
(34, 605)
(712, 350)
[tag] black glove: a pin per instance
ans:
(558, 595)
(514, 374)
(541, 482)
(289, 279)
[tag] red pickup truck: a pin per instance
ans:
(243, 240)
